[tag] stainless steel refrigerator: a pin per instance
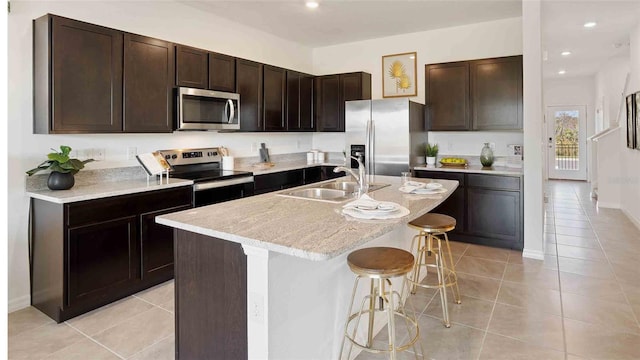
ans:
(389, 134)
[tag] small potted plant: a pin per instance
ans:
(431, 152)
(62, 168)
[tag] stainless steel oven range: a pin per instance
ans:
(212, 184)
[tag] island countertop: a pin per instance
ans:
(303, 228)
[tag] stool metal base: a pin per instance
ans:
(446, 272)
(379, 300)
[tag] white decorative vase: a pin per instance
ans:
(431, 160)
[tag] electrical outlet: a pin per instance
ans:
(256, 307)
(99, 154)
(132, 151)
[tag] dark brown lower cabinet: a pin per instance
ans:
(87, 254)
(488, 208)
(214, 270)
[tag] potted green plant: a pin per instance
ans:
(62, 168)
(431, 152)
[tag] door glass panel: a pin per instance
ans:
(566, 140)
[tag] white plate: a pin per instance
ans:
(429, 191)
(433, 186)
(398, 213)
(382, 208)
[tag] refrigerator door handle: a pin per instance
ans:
(367, 143)
(373, 148)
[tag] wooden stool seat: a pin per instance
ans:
(380, 262)
(434, 223)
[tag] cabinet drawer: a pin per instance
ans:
(493, 181)
(427, 174)
(92, 211)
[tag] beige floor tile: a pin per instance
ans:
(596, 269)
(498, 347)
(163, 350)
(471, 312)
(550, 249)
(159, 294)
(620, 246)
(573, 223)
(481, 267)
(594, 342)
(110, 315)
(572, 231)
(549, 238)
(569, 216)
(478, 286)
(169, 306)
(581, 253)
(26, 319)
(632, 291)
(550, 261)
(577, 241)
(627, 272)
(601, 289)
(622, 257)
(442, 343)
(533, 276)
(83, 350)
(531, 298)
(568, 211)
(42, 341)
(489, 253)
(606, 314)
(528, 326)
(138, 332)
(419, 302)
(457, 247)
(575, 357)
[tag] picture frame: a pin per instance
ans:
(631, 123)
(636, 120)
(399, 75)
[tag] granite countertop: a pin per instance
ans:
(478, 169)
(102, 189)
(283, 166)
(303, 228)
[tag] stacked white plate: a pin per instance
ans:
(415, 187)
(368, 208)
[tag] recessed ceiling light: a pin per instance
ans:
(565, 53)
(590, 24)
(561, 72)
(312, 4)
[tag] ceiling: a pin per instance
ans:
(343, 21)
(562, 29)
(337, 22)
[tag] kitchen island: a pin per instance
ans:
(266, 276)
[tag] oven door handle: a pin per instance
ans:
(222, 183)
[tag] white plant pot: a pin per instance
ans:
(431, 160)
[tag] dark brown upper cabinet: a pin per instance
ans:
(149, 70)
(496, 93)
(274, 93)
(77, 78)
(299, 101)
(249, 86)
(331, 91)
(222, 72)
(192, 67)
(484, 94)
(447, 96)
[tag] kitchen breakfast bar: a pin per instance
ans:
(266, 277)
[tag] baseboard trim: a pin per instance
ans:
(533, 254)
(19, 303)
(633, 219)
(608, 205)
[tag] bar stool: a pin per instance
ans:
(433, 227)
(379, 264)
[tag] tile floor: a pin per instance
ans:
(581, 302)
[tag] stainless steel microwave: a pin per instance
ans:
(207, 110)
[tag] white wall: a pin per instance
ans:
(163, 19)
(610, 80)
(630, 159)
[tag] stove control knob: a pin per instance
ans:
(167, 157)
(174, 156)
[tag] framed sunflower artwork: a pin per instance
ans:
(399, 75)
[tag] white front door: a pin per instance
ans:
(566, 142)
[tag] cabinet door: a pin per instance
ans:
(494, 214)
(156, 242)
(192, 67)
(312, 175)
(87, 77)
(102, 258)
(222, 72)
(149, 69)
(275, 81)
(496, 93)
(306, 103)
(249, 86)
(328, 103)
(447, 96)
(293, 100)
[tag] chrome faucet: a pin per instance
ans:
(361, 178)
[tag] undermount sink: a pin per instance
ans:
(335, 191)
